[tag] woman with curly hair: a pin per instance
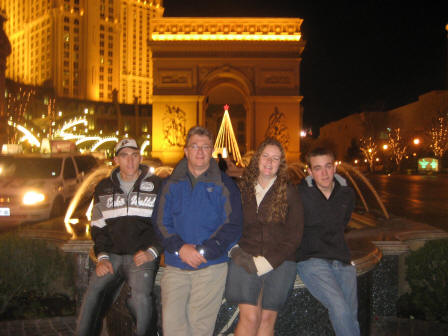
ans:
(263, 269)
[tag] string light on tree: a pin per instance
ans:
(226, 138)
(439, 135)
(397, 145)
(27, 135)
(102, 141)
(85, 139)
(369, 150)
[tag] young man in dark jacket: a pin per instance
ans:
(125, 242)
(199, 218)
(323, 256)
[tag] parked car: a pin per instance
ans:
(38, 187)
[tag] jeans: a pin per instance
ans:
(333, 283)
(101, 290)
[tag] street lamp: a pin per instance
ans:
(416, 141)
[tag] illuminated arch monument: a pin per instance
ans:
(200, 64)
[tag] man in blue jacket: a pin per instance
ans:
(323, 257)
(199, 218)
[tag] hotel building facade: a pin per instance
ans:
(83, 49)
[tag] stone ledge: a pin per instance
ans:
(392, 247)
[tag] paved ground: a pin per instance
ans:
(58, 326)
(421, 198)
(391, 326)
(65, 326)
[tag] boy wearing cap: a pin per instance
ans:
(125, 242)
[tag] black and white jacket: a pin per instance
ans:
(121, 223)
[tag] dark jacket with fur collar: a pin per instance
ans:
(276, 241)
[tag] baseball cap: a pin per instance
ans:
(125, 143)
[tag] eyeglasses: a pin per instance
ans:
(204, 148)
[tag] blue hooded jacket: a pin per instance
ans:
(208, 214)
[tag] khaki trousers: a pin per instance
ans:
(191, 300)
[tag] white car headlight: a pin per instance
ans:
(33, 197)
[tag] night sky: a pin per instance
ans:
(360, 55)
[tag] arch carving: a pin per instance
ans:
(228, 75)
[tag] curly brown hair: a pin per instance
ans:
(250, 179)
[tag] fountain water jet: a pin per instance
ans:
(346, 166)
(89, 182)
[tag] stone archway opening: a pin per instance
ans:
(217, 97)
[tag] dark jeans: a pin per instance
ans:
(98, 295)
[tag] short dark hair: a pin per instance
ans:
(198, 130)
(319, 151)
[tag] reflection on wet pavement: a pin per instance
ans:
(416, 197)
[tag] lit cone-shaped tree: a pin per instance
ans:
(226, 138)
